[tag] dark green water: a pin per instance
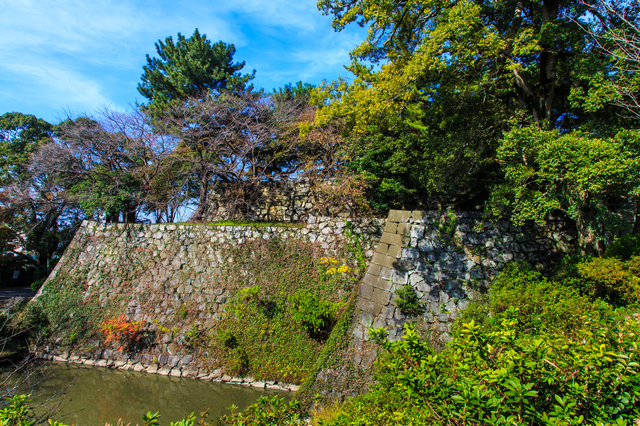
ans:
(100, 395)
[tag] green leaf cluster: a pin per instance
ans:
(189, 67)
(590, 179)
(534, 352)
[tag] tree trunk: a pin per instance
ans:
(129, 213)
(587, 238)
(636, 223)
(202, 198)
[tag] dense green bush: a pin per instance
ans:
(408, 301)
(616, 281)
(533, 351)
(504, 377)
(624, 247)
(317, 316)
(542, 304)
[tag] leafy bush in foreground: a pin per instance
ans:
(535, 352)
(504, 377)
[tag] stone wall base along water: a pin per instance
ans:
(446, 257)
(109, 359)
(171, 278)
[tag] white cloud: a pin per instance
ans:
(53, 82)
(85, 54)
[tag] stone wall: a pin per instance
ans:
(288, 201)
(446, 257)
(171, 277)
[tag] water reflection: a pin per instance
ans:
(100, 395)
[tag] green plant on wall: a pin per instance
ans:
(280, 315)
(354, 246)
(315, 315)
(408, 301)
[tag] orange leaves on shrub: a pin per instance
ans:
(121, 330)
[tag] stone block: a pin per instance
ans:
(190, 372)
(382, 248)
(394, 251)
(391, 227)
(374, 270)
(138, 367)
(418, 215)
(377, 282)
(403, 229)
(366, 306)
(366, 319)
(399, 216)
(391, 239)
(386, 273)
(365, 291)
(417, 231)
(164, 371)
(383, 260)
(381, 297)
(399, 277)
(388, 311)
(408, 253)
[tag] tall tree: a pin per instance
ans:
(229, 144)
(438, 82)
(617, 36)
(190, 67)
(20, 136)
(106, 163)
(33, 208)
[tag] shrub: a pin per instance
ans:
(35, 286)
(505, 376)
(267, 411)
(541, 303)
(122, 331)
(408, 301)
(611, 279)
(624, 247)
(315, 315)
(62, 311)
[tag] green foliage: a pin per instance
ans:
(62, 311)
(301, 92)
(354, 246)
(267, 411)
(541, 303)
(315, 315)
(616, 281)
(189, 67)
(503, 377)
(587, 178)
(281, 314)
(408, 301)
(20, 136)
(151, 419)
(16, 412)
(624, 247)
(331, 355)
(451, 78)
(533, 351)
(35, 285)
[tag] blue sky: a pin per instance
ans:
(61, 57)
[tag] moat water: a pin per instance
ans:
(95, 396)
